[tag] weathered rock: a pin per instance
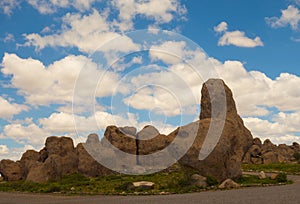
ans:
(128, 131)
(226, 158)
(285, 153)
(10, 170)
(262, 175)
(268, 153)
(43, 155)
(199, 180)
(93, 139)
(42, 172)
(143, 184)
(270, 158)
(61, 160)
(88, 166)
(253, 155)
(28, 159)
(59, 145)
(296, 147)
(257, 141)
(120, 140)
(228, 184)
(273, 176)
(150, 140)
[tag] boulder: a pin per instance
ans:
(128, 130)
(42, 172)
(28, 159)
(257, 141)
(61, 160)
(268, 153)
(262, 175)
(226, 157)
(88, 166)
(143, 184)
(285, 153)
(11, 170)
(120, 140)
(270, 158)
(273, 176)
(228, 184)
(199, 181)
(59, 145)
(150, 140)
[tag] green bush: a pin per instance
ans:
(281, 178)
(211, 181)
(296, 155)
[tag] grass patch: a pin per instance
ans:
(253, 180)
(174, 182)
(281, 167)
(168, 182)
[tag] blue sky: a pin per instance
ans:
(253, 45)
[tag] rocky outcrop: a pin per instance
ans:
(268, 153)
(226, 157)
(59, 159)
(217, 150)
(10, 170)
(89, 166)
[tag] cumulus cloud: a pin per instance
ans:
(289, 16)
(9, 109)
(162, 11)
(90, 31)
(3, 149)
(41, 85)
(236, 38)
(13, 153)
(86, 32)
(49, 7)
(278, 133)
(28, 133)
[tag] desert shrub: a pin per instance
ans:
(281, 177)
(211, 181)
(296, 155)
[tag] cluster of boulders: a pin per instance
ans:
(56, 159)
(225, 149)
(268, 153)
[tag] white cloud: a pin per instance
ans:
(42, 85)
(9, 38)
(3, 149)
(278, 133)
(25, 133)
(170, 52)
(158, 100)
(236, 38)
(161, 11)
(86, 32)
(7, 6)
(9, 109)
(289, 16)
(49, 7)
(13, 153)
(223, 26)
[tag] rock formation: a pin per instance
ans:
(226, 158)
(60, 157)
(268, 153)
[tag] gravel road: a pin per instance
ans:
(287, 194)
